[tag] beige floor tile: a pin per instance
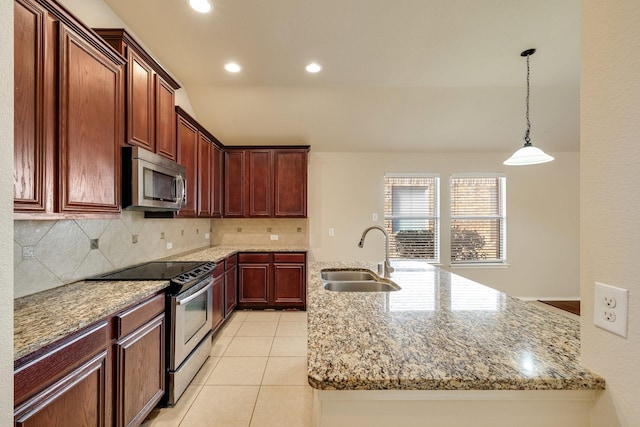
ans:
(249, 346)
(262, 316)
(206, 370)
(222, 406)
(292, 329)
(289, 406)
(257, 329)
(239, 315)
(229, 329)
(289, 346)
(293, 316)
(171, 417)
(220, 344)
(238, 371)
(286, 371)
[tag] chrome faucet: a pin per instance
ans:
(387, 266)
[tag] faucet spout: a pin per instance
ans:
(387, 265)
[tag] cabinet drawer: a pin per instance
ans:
(230, 261)
(46, 367)
(131, 319)
(289, 257)
(253, 257)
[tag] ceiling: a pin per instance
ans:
(405, 75)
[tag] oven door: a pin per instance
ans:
(192, 313)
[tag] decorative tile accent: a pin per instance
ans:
(62, 249)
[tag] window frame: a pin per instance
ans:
(502, 203)
(436, 218)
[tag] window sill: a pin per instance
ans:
(481, 265)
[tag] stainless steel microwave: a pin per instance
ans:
(152, 182)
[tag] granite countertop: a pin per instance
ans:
(440, 332)
(43, 318)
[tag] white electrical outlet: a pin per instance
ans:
(374, 216)
(206, 235)
(331, 232)
(610, 308)
(169, 245)
(274, 237)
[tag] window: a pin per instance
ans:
(411, 215)
(478, 218)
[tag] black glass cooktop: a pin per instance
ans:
(157, 270)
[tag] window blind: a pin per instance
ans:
(411, 216)
(478, 219)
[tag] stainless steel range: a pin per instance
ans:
(189, 311)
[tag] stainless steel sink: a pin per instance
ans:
(357, 280)
(346, 275)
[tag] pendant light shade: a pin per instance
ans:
(528, 154)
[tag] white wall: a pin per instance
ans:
(610, 197)
(6, 213)
(542, 214)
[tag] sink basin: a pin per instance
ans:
(357, 280)
(361, 286)
(346, 275)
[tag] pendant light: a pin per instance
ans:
(528, 154)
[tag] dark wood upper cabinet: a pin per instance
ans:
(34, 100)
(187, 144)
(200, 153)
(68, 116)
(150, 96)
(265, 182)
(234, 184)
(204, 176)
(259, 183)
(290, 183)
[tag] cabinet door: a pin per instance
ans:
(141, 372)
(140, 102)
(231, 290)
(289, 285)
(34, 105)
(187, 144)
(259, 183)
(216, 181)
(204, 176)
(90, 127)
(290, 184)
(77, 399)
(234, 185)
(218, 301)
(253, 284)
(165, 130)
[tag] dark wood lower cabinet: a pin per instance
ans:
(218, 299)
(272, 280)
(230, 284)
(110, 373)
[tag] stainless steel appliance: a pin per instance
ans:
(189, 311)
(151, 182)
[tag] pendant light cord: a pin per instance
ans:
(527, 139)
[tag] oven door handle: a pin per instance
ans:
(190, 298)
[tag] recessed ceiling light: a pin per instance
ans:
(313, 68)
(202, 6)
(232, 67)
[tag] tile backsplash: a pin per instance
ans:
(48, 254)
(258, 232)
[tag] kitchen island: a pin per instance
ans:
(445, 349)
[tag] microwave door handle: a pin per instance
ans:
(180, 184)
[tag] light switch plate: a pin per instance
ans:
(611, 308)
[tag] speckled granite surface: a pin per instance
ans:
(440, 332)
(45, 317)
(42, 318)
